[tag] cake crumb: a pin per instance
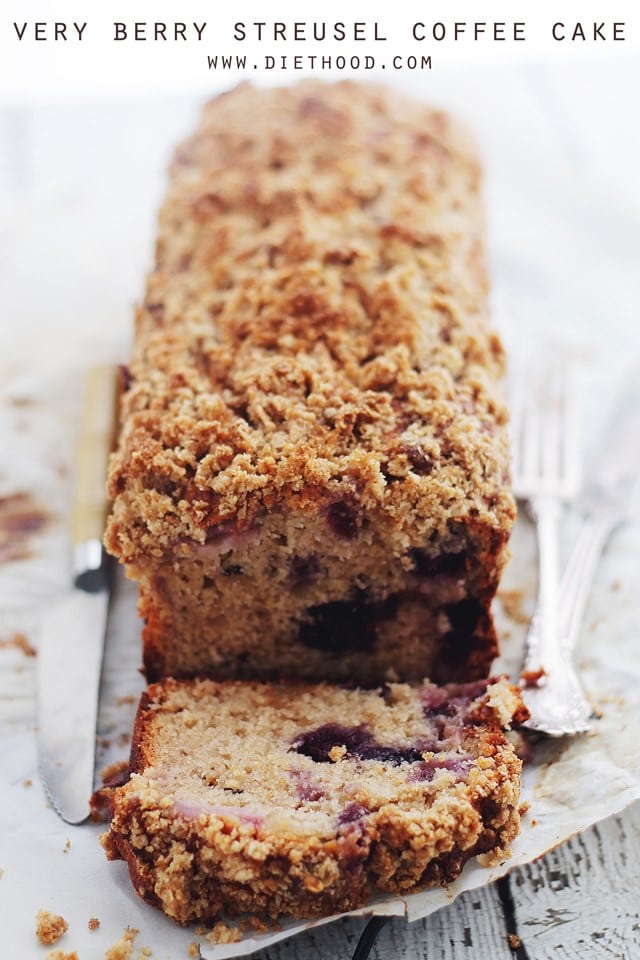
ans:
(123, 948)
(514, 941)
(128, 699)
(194, 950)
(27, 783)
(18, 641)
(512, 603)
(61, 955)
(531, 678)
(504, 702)
(67, 846)
(221, 933)
(50, 927)
(337, 753)
(615, 586)
(93, 923)
(21, 519)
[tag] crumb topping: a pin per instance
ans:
(315, 324)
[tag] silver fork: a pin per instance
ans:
(545, 468)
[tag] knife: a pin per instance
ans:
(72, 634)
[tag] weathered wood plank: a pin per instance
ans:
(473, 927)
(583, 899)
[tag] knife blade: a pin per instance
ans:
(72, 634)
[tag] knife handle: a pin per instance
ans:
(95, 442)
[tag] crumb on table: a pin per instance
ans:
(18, 641)
(514, 941)
(531, 678)
(50, 926)
(28, 782)
(123, 948)
(21, 519)
(194, 950)
(512, 603)
(61, 955)
(93, 923)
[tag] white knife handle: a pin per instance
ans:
(90, 500)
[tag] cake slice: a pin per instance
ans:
(304, 800)
(312, 478)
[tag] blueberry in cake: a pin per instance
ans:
(306, 799)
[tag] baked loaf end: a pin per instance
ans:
(304, 800)
(312, 475)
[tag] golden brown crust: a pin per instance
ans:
(227, 812)
(315, 325)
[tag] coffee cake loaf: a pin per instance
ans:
(312, 475)
(304, 800)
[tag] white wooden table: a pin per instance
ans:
(78, 193)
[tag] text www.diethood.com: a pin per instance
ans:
(315, 62)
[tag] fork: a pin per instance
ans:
(545, 470)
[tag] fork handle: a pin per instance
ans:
(542, 649)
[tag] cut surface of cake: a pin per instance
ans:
(312, 478)
(306, 799)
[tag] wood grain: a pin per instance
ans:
(583, 899)
(473, 927)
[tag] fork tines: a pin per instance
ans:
(544, 436)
